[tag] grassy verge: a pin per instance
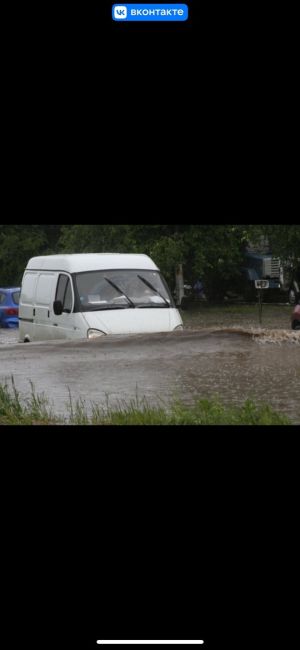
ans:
(33, 410)
(36, 410)
(274, 316)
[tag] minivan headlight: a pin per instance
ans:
(179, 327)
(94, 334)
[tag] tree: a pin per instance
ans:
(17, 245)
(285, 241)
(212, 252)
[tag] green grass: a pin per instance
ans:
(274, 316)
(36, 410)
(32, 410)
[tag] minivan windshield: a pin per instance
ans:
(126, 289)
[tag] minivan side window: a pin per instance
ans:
(64, 293)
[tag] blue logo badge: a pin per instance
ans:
(150, 12)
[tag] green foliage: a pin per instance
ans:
(213, 252)
(167, 253)
(17, 245)
(285, 241)
(35, 410)
(100, 239)
(21, 242)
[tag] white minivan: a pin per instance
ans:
(93, 294)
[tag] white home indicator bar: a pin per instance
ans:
(150, 642)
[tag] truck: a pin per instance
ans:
(261, 266)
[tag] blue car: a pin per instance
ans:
(9, 306)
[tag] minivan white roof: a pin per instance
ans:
(91, 262)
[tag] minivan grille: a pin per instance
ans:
(275, 267)
(272, 267)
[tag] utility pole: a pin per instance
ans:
(179, 285)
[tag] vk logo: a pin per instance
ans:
(155, 12)
(120, 13)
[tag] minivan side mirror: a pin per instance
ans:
(57, 307)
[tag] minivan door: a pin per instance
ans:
(42, 308)
(66, 325)
(27, 307)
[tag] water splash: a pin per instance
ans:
(263, 336)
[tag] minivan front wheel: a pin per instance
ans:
(296, 325)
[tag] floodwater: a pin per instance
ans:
(8, 336)
(232, 364)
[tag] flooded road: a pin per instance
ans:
(8, 336)
(231, 364)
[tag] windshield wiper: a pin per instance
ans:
(151, 305)
(148, 284)
(120, 291)
(107, 307)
